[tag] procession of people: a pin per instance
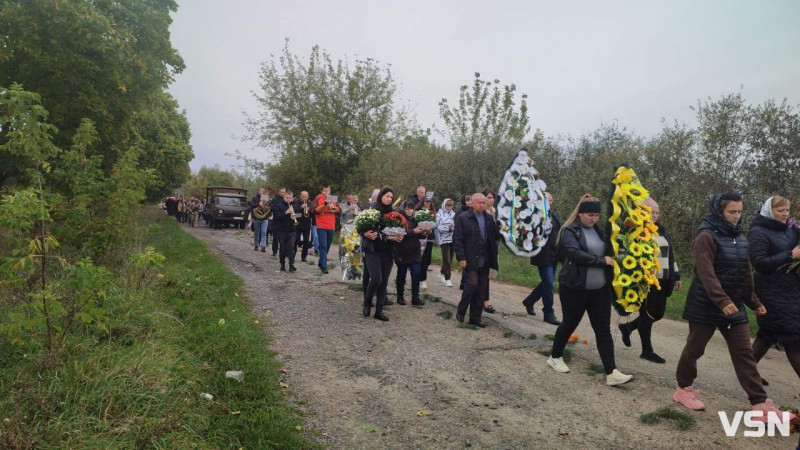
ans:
(468, 237)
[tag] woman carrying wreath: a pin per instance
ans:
(722, 285)
(583, 287)
(378, 258)
(656, 303)
(774, 244)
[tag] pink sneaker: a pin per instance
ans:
(769, 406)
(688, 398)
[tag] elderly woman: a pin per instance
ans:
(773, 245)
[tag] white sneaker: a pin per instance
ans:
(423, 286)
(557, 364)
(441, 279)
(448, 283)
(616, 378)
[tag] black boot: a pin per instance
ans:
(367, 307)
(626, 334)
(529, 308)
(416, 301)
(283, 267)
(292, 268)
(400, 299)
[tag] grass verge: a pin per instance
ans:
(682, 420)
(140, 385)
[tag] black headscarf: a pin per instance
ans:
(715, 220)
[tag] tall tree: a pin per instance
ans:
(98, 59)
(319, 118)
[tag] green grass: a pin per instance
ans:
(141, 384)
(355, 287)
(595, 369)
(531, 336)
(681, 419)
(445, 314)
(508, 333)
(466, 325)
(550, 337)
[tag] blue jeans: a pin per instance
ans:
(416, 274)
(314, 238)
(325, 241)
(544, 291)
(260, 231)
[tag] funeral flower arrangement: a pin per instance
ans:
(633, 241)
(394, 224)
(350, 253)
(522, 210)
(367, 220)
(425, 219)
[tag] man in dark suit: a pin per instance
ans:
(475, 243)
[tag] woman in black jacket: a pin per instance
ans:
(774, 244)
(583, 287)
(408, 257)
(378, 258)
(722, 286)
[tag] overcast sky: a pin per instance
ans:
(582, 63)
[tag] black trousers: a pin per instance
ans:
(472, 296)
(287, 247)
(379, 265)
(596, 302)
(652, 311)
(426, 260)
(305, 237)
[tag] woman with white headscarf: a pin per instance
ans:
(773, 245)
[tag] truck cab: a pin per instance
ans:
(226, 205)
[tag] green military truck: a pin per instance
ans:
(226, 206)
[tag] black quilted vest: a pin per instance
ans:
(731, 267)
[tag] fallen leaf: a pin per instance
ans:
(236, 294)
(284, 385)
(298, 428)
(221, 321)
(236, 413)
(342, 298)
(255, 321)
(561, 432)
(423, 413)
(585, 341)
(283, 370)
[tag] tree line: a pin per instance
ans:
(330, 121)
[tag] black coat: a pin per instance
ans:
(771, 244)
(408, 250)
(303, 223)
(470, 246)
(574, 253)
(280, 217)
(548, 256)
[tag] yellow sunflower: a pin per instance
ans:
(651, 227)
(629, 262)
(635, 217)
(631, 296)
(645, 263)
(624, 280)
(644, 235)
(636, 249)
(647, 249)
(637, 276)
(634, 192)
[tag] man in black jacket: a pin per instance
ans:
(475, 243)
(285, 229)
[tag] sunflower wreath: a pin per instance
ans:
(522, 211)
(633, 242)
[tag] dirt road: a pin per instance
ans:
(420, 381)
